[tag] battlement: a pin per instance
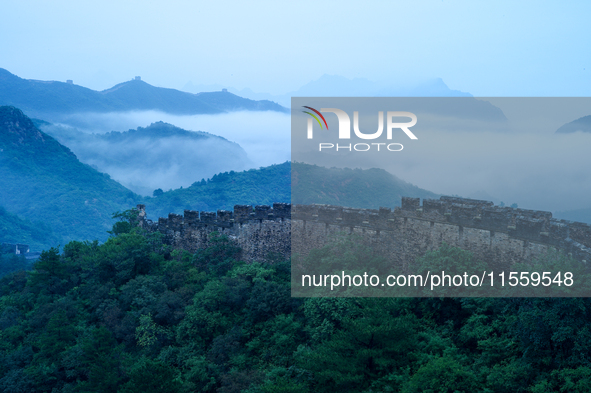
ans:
(528, 225)
(222, 218)
(258, 230)
(472, 224)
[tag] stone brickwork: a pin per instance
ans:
(494, 233)
(259, 232)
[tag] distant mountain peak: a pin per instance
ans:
(125, 84)
(582, 124)
(4, 73)
(159, 129)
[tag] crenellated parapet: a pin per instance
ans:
(258, 230)
(222, 218)
(530, 225)
(509, 234)
(515, 223)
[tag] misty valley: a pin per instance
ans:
(95, 296)
(160, 156)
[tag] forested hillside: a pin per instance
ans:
(262, 186)
(13, 229)
(131, 315)
(43, 180)
(369, 188)
(361, 188)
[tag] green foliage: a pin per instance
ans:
(128, 220)
(129, 315)
(263, 186)
(96, 359)
(147, 331)
(10, 263)
(50, 275)
(150, 376)
(369, 343)
(442, 375)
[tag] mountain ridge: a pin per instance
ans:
(355, 188)
(39, 98)
(339, 86)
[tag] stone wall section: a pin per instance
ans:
(503, 234)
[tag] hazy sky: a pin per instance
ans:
(500, 48)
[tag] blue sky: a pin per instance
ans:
(501, 48)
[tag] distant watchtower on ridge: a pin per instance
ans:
(137, 78)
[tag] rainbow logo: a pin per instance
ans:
(314, 116)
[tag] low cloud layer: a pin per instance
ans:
(548, 172)
(530, 166)
(265, 136)
(522, 160)
(254, 139)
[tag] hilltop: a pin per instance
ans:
(361, 188)
(262, 186)
(40, 98)
(582, 124)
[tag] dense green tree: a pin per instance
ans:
(371, 342)
(442, 375)
(132, 315)
(151, 376)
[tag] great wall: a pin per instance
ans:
(503, 234)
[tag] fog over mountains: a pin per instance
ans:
(146, 160)
(49, 197)
(537, 159)
(160, 156)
